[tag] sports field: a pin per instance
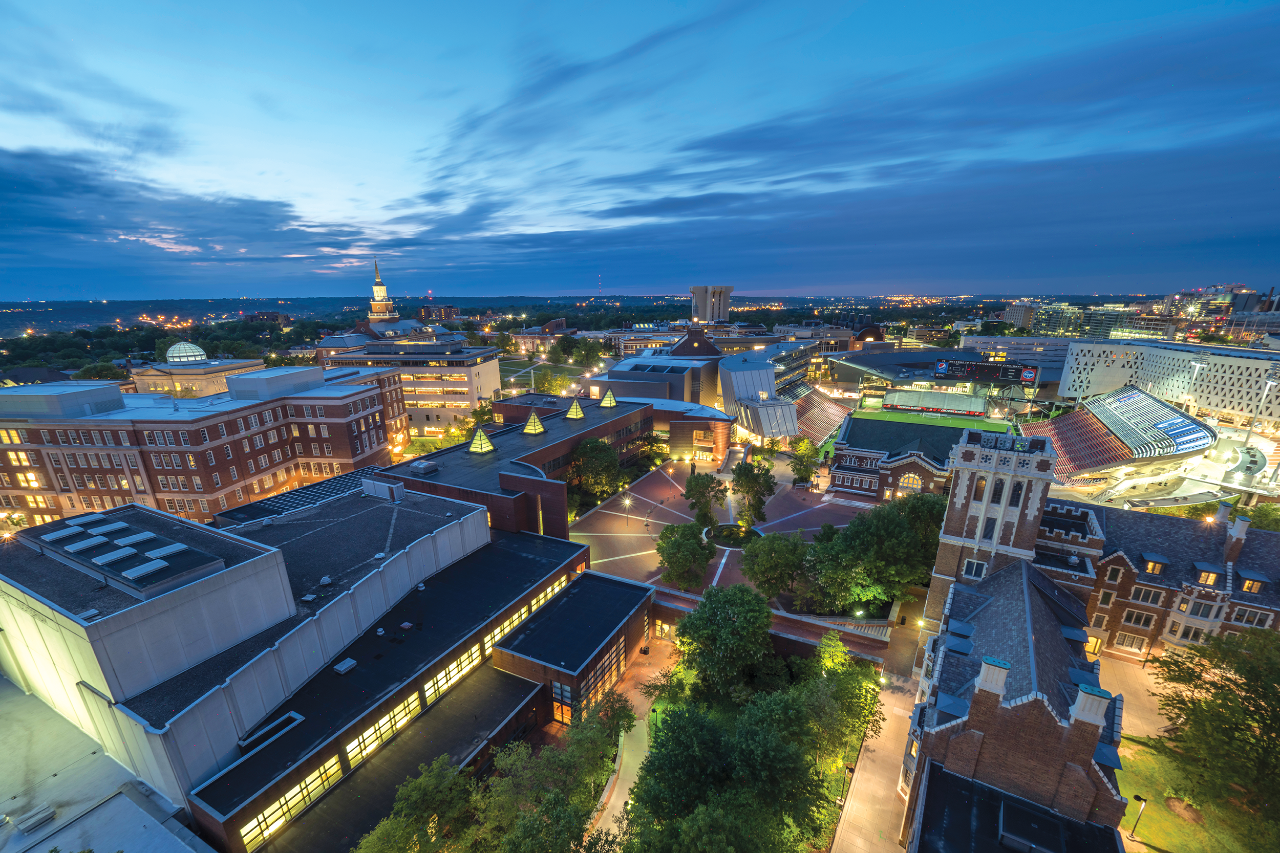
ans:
(940, 420)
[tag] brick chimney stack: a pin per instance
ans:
(993, 675)
(1091, 705)
(1235, 540)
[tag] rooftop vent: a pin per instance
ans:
(70, 530)
(107, 528)
(144, 569)
(345, 666)
(87, 615)
(424, 467)
(136, 538)
(85, 544)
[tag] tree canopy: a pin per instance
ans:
(703, 492)
(725, 635)
(594, 467)
(684, 555)
(804, 460)
(753, 485)
(774, 562)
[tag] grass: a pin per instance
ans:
(1148, 773)
(510, 368)
(912, 418)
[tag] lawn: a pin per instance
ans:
(913, 418)
(1149, 774)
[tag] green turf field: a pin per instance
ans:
(913, 418)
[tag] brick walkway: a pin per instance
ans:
(872, 816)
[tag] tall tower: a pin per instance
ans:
(999, 484)
(381, 308)
(711, 304)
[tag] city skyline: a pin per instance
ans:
(840, 149)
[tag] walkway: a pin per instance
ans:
(1141, 711)
(872, 816)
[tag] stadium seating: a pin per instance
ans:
(1082, 441)
(819, 416)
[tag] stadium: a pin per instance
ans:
(1127, 432)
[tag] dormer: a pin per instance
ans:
(1153, 563)
(1251, 581)
(1207, 574)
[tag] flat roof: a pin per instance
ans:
(464, 719)
(77, 589)
(568, 630)
(453, 604)
(296, 499)
(458, 466)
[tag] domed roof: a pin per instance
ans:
(183, 352)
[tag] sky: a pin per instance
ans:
(154, 149)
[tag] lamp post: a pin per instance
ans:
(1142, 808)
(626, 502)
(1273, 377)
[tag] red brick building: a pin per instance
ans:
(875, 461)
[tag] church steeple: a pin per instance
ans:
(381, 308)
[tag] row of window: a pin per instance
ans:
(997, 492)
(856, 482)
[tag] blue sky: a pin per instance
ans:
(833, 148)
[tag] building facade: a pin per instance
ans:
(874, 464)
(442, 382)
(81, 447)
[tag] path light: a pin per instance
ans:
(1142, 808)
(920, 623)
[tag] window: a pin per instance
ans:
(222, 501)
(217, 481)
(1137, 618)
(1202, 610)
(1099, 620)
(974, 568)
(168, 438)
(324, 430)
(204, 436)
(222, 430)
(1154, 567)
(239, 424)
(183, 436)
(545, 596)
(1015, 496)
(253, 421)
(195, 481)
(449, 676)
(306, 411)
(1251, 586)
(607, 672)
(502, 630)
(989, 528)
(561, 702)
(147, 434)
(257, 831)
(997, 492)
(1252, 618)
(328, 450)
(980, 490)
(257, 441)
(204, 505)
(1146, 596)
(1191, 634)
(208, 456)
(380, 732)
(1131, 642)
(239, 494)
(1104, 600)
(234, 476)
(319, 411)
(1208, 578)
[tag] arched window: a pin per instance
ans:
(1015, 497)
(997, 492)
(980, 490)
(909, 483)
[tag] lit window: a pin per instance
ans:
(446, 678)
(257, 831)
(1154, 568)
(1252, 586)
(381, 731)
(1208, 578)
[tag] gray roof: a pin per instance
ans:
(895, 439)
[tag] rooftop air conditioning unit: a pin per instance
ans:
(424, 467)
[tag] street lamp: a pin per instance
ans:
(1142, 808)
(626, 502)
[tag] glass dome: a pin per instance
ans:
(184, 352)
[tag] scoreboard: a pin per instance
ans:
(986, 371)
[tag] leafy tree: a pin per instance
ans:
(431, 813)
(753, 485)
(1222, 698)
(683, 554)
(162, 346)
(771, 762)
(106, 371)
(770, 449)
(704, 491)
(842, 707)
(594, 467)
(773, 562)
(556, 355)
(589, 353)
(666, 686)
(483, 413)
(505, 342)
(685, 766)
(804, 460)
(727, 633)
(548, 381)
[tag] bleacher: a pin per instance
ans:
(818, 416)
(1082, 441)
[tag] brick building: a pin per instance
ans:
(77, 447)
(874, 462)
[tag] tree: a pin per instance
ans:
(727, 633)
(548, 381)
(770, 449)
(773, 562)
(704, 491)
(842, 707)
(505, 342)
(753, 485)
(1221, 697)
(101, 371)
(588, 353)
(482, 413)
(804, 460)
(431, 813)
(594, 467)
(684, 555)
(685, 766)
(556, 355)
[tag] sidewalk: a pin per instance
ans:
(1141, 711)
(872, 816)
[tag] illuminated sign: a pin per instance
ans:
(986, 371)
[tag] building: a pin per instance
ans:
(437, 313)
(711, 303)
(540, 339)
(932, 335)
(1041, 351)
(1058, 320)
(383, 322)
(979, 382)
(442, 381)
(511, 468)
(1020, 314)
(277, 317)
(81, 447)
(189, 372)
(32, 376)
(1103, 321)
(875, 461)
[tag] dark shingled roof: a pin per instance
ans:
(895, 439)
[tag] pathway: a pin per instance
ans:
(1141, 712)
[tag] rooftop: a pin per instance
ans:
(458, 466)
(81, 579)
(893, 439)
(594, 606)
(961, 815)
(468, 714)
(450, 607)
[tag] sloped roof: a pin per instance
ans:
(895, 439)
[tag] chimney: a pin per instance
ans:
(1235, 540)
(1224, 509)
(993, 675)
(1091, 705)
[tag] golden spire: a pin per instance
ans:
(575, 411)
(377, 276)
(534, 426)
